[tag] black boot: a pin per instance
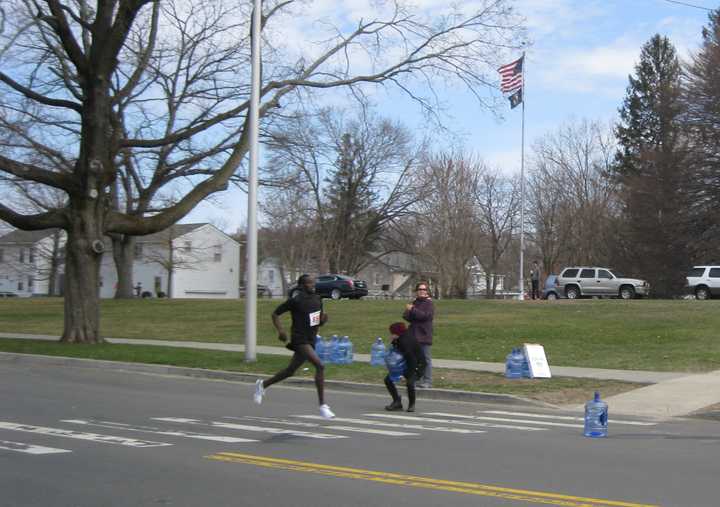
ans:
(394, 406)
(411, 408)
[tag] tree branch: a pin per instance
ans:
(48, 220)
(37, 97)
(32, 173)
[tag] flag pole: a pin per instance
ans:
(521, 284)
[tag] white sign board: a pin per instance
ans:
(537, 361)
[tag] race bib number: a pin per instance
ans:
(314, 319)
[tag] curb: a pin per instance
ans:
(161, 369)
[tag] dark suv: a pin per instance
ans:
(337, 286)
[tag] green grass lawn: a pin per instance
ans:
(640, 334)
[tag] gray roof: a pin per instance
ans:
(172, 232)
(18, 237)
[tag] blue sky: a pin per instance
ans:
(577, 67)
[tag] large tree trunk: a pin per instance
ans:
(82, 282)
(123, 255)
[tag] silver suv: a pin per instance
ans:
(704, 281)
(582, 281)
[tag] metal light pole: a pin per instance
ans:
(251, 250)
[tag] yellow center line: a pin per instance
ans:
(538, 497)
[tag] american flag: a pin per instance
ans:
(511, 76)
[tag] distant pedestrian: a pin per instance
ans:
(307, 314)
(535, 281)
(406, 344)
(420, 315)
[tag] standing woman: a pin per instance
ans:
(420, 314)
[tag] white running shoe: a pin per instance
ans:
(326, 412)
(259, 391)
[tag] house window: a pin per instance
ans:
(2, 255)
(31, 283)
(21, 255)
(218, 253)
(20, 285)
(271, 275)
(32, 255)
(138, 251)
(377, 278)
(188, 247)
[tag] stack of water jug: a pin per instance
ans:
(335, 350)
(516, 364)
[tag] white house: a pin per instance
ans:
(32, 262)
(479, 279)
(184, 261)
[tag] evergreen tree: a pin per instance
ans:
(702, 102)
(352, 221)
(650, 167)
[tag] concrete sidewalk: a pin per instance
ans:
(671, 394)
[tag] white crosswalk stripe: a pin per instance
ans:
(94, 437)
(29, 448)
(304, 424)
(158, 431)
(563, 417)
(455, 421)
(246, 427)
(371, 422)
(505, 419)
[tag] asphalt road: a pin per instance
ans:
(90, 438)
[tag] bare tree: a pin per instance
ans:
(498, 215)
(352, 175)
(447, 225)
(164, 250)
(74, 75)
(573, 202)
(289, 234)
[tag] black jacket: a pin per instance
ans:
(409, 347)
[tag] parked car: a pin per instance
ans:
(576, 282)
(337, 286)
(704, 281)
(8, 295)
(551, 290)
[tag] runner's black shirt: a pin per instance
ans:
(305, 310)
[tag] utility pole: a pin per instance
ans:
(251, 250)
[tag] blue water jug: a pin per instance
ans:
(513, 364)
(334, 350)
(525, 365)
(319, 346)
(377, 353)
(326, 349)
(596, 417)
(395, 363)
(341, 352)
(348, 350)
